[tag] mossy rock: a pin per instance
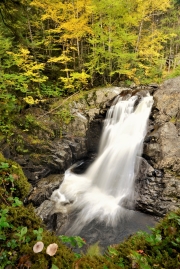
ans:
(96, 262)
(20, 181)
(63, 258)
(157, 250)
(20, 217)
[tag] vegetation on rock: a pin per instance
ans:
(21, 229)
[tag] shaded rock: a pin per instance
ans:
(148, 188)
(44, 189)
(55, 218)
(160, 193)
(47, 214)
(94, 133)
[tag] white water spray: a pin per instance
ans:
(107, 187)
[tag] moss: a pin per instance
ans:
(36, 157)
(64, 116)
(97, 262)
(161, 248)
(63, 258)
(80, 96)
(18, 218)
(25, 216)
(20, 182)
(173, 119)
(78, 134)
(35, 140)
(94, 250)
(2, 138)
(20, 149)
(172, 173)
(29, 122)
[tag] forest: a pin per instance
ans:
(51, 50)
(55, 48)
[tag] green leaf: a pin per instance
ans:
(3, 222)
(112, 251)
(17, 202)
(54, 266)
(80, 241)
(2, 236)
(12, 244)
(38, 233)
(4, 165)
(14, 166)
(173, 215)
(23, 231)
(158, 238)
(178, 239)
(77, 255)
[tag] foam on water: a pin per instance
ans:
(107, 187)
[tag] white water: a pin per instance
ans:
(108, 185)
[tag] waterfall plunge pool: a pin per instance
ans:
(102, 197)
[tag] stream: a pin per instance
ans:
(102, 197)
(132, 221)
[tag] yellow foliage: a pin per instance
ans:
(62, 59)
(31, 101)
(150, 45)
(146, 8)
(28, 66)
(24, 52)
(69, 16)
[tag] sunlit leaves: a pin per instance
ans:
(62, 59)
(119, 40)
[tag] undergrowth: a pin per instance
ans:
(21, 229)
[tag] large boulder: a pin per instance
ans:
(160, 192)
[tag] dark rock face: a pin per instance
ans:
(49, 145)
(44, 189)
(160, 192)
(54, 220)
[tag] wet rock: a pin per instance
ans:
(55, 218)
(93, 134)
(78, 148)
(52, 219)
(162, 151)
(46, 213)
(44, 189)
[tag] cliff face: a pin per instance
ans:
(159, 183)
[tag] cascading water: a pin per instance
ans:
(107, 187)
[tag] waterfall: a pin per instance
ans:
(106, 189)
